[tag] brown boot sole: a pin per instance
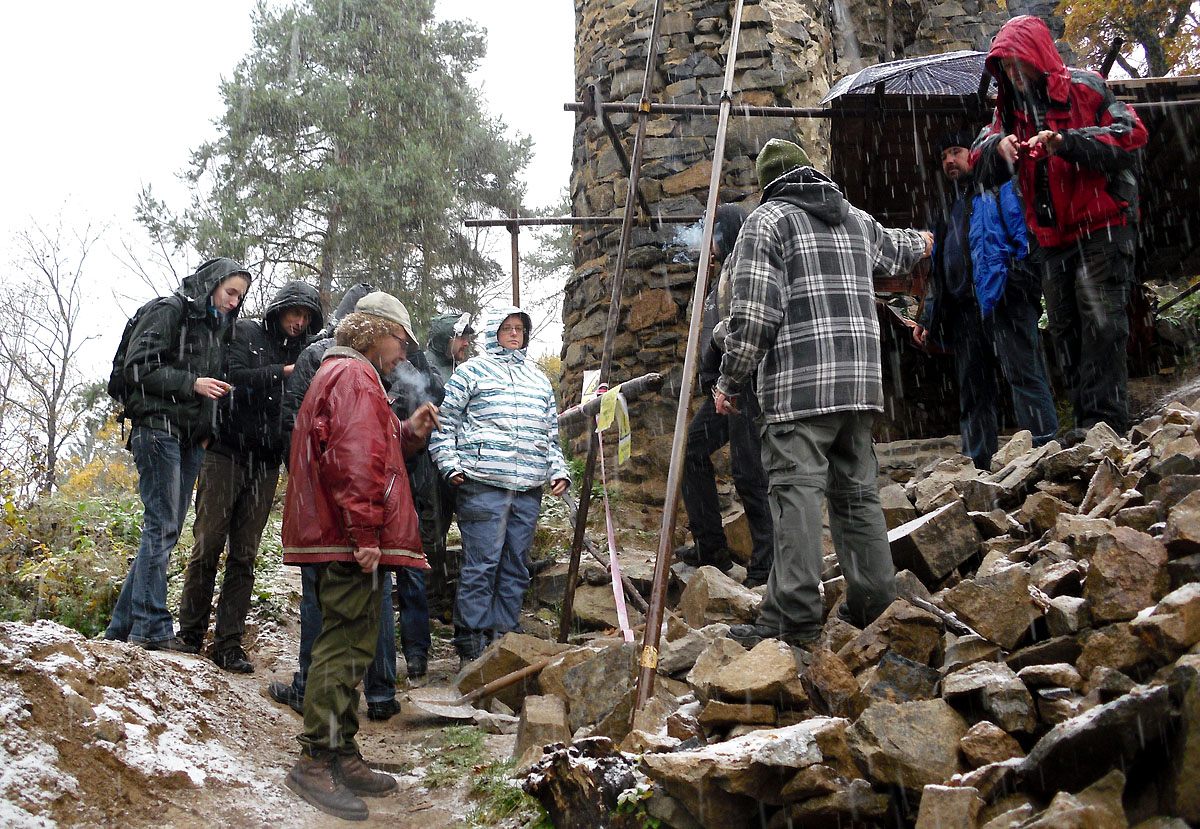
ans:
(344, 814)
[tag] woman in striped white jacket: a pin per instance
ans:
(498, 445)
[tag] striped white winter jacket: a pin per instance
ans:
(499, 417)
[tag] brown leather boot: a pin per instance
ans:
(360, 779)
(316, 780)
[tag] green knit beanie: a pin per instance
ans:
(776, 158)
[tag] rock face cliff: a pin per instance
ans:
(790, 53)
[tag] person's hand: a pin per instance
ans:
(424, 420)
(287, 370)
(920, 336)
(559, 486)
(210, 387)
(724, 405)
(1052, 141)
(368, 558)
(1009, 149)
(928, 244)
(457, 478)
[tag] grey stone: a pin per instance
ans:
(596, 686)
(1078, 751)
(1182, 536)
(856, 804)
(897, 679)
(992, 691)
(831, 687)
(711, 597)
(712, 659)
(680, 654)
(907, 630)
(1173, 625)
(1065, 464)
(1060, 675)
(512, 652)
(1067, 615)
(933, 545)
(897, 509)
(717, 714)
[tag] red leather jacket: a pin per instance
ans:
(1089, 183)
(347, 487)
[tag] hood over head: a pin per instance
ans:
(444, 327)
(492, 320)
(811, 191)
(196, 288)
(296, 294)
(1028, 38)
(346, 306)
(727, 224)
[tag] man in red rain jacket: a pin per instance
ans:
(349, 512)
(1074, 147)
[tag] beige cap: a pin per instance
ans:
(381, 304)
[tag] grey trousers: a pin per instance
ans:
(827, 457)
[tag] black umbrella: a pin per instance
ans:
(951, 73)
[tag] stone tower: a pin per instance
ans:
(790, 53)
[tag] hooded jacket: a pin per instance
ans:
(441, 331)
(347, 486)
(499, 417)
(252, 421)
(170, 349)
(803, 307)
(1089, 183)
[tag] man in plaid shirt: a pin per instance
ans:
(803, 315)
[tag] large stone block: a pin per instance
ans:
(911, 744)
(943, 806)
(998, 606)
(907, 630)
(711, 597)
(1182, 535)
(933, 545)
(596, 686)
(990, 690)
(768, 673)
(712, 659)
(1173, 625)
(543, 722)
(1127, 573)
(512, 652)
(986, 743)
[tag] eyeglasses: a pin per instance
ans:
(403, 342)
(512, 329)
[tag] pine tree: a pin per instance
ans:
(351, 148)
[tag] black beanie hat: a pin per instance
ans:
(956, 138)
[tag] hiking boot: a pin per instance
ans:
(317, 781)
(286, 694)
(383, 710)
(1072, 437)
(417, 665)
(692, 557)
(752, 582)
(750, 635)
(233, 660)
(174, 644)
(360, 779)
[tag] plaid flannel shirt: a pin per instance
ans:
(803, 309)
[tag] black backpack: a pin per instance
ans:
(118, 386)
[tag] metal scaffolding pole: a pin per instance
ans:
(614, 318)
(648, 664)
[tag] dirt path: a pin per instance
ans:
(102, 733)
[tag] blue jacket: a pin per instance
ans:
(499, 417)
(996, 237)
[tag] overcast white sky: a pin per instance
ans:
(103, 98)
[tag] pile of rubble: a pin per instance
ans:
(1041, 667)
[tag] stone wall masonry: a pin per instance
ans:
(790, 53)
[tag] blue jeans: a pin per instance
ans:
(166, 475)
(380, 682)
(497, 531)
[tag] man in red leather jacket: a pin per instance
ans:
(349, 512)
(1074, 147)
